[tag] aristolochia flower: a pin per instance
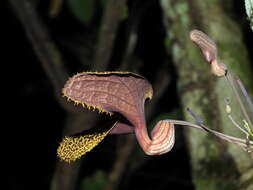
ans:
(115, 92)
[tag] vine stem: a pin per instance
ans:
(231, 139)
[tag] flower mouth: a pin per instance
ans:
(73, 147)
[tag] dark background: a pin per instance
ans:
(35, 119)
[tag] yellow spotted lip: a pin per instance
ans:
(72, 148)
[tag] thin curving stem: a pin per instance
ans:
(246, 96)
(228, 138)
(240, 94)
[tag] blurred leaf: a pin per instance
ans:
(249, 11)
(103, 3)
(82, 9)
(95, 182)
(55, 8)
(249, 7)
(125, 13)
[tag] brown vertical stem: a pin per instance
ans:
(52, 63)
(112, 17)
(44, 47)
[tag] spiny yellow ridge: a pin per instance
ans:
(88, 106)
(111, 72)
(72, 148)
(148, 94)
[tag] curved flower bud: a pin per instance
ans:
(209, 50)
